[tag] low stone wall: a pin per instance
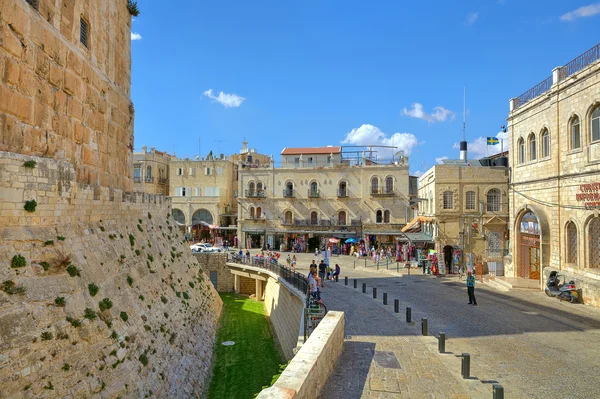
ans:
(312, 366)
(588, 283)
(284, 306)
(217, 262)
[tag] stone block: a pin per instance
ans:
(56, 74)
(74, 62)
(11, 71)
(42, 65)
(72, 84)
(10, 42)
(22, 107)
(74, 108)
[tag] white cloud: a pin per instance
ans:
(372, 135)
(581, 12)
(418, 173)
(136, 36)
(439, 114)
(227, 100)
(471, 18)
(440, 159)
(478, 148)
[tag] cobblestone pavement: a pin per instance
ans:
(533, 345)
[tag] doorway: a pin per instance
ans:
(529, 247)
(448, 251)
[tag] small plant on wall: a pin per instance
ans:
(30, 206)
(30, 164)
(132, 7)
(18, 261)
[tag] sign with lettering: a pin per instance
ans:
(589, 194)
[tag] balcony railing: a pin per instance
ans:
(316, 223)
(288, 193)
(343, 193)
(149, 179)
(355, 222)
(137, 179)
(163, 180)
(535, 91)
(255, 194)
(582, 61)
(313, 193)
(382, 191)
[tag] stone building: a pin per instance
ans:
(554, 136)
(464, 206)
(151, 171)
(64, 92)
(318, 194)
(89, 270)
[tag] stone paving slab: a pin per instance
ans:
(384, 357)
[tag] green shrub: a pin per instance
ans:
(105, 304)
(163, 299)
(137, 252)
(141, 297)
(185, 295)
(150, 258)
(112, 236)
(30, 164)
(140, 228)
(74, 322)
(48, 242)
(124, 316)
(73, 271)
(131, 239)
(46, 336)
(89, 314)
(66, 367)
(30, 206)
(45, 265)
(191, 284)
(49, 386)
(11, 289)
(60, 301)
(93, 289)
(130, 280)
(18, 261)
(114, 335)
(143, 359)
(60, 238)
(101, 228)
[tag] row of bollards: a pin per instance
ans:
(497, 389)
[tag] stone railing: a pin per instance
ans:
(308, 372)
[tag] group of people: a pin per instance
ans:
(319, 273)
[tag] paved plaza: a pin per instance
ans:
(531, 344)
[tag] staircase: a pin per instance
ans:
(508, 283)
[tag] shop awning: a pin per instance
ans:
(414, 226)
(415, 237)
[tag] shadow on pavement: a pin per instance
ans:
(348, 379)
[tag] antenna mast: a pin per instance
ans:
(463, 143)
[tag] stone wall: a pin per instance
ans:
(216, 262)
(62, 99)
(311, 368)
(588, 284)
(284, 307)
(154, 334)
(248, 286)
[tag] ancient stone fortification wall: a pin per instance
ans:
(61, 99)
(217, 262)
(284, 308)
(154, 332)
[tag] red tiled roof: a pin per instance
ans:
(311, 150)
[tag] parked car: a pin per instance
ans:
(204, 247)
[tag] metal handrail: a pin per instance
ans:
(343, 193)
(313, 193)
(255, 193)
(288, 193)
(297, 280)
(582, 61)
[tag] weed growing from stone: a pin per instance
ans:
(101, 228)
(143, 359)
(66, 367)
(112, 236)
(178, 294)
(130, 280)
(149, 215)
(93, 289)
(147, 327)
(74, 322)
(105, 304)
(60, 238)
(124, 316)
(114, 335)
(49, 386)
(186, 295)
(163, 299)
(27, 387)
(150, 258)
(131, 239)
(141, 297)
(191, 284)
(60, 301)
(45, 265)
(48, 242)
(30, 206)
(140, 228)
(89, 314)
(46, 336)
(73, 271)
(30, 164)
(18, 261)
(137, 252)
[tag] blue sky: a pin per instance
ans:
(315, 73)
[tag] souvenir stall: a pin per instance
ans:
(334, 245)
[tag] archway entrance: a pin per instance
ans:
(529, 247)
(200, 222)
(448, 252)
(179, 217)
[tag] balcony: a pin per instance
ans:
(137, 179)
(314, 193)
(149, 179)
(382, 191)
(289, 193)
(255, 194)
(314, 223)
(343, 193)
(163, 180)
(356, 222)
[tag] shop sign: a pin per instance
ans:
(589, 194)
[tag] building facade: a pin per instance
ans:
(464, 206)
(151, 171)
(554, 135)
(316, 195)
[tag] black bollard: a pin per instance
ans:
(397, 267)
(355, 267)
(408, 315)
(387, 265)
(364, 288)
(365, 262)
(374, 293)
(346, 280)
(396, 306)
(498, 391)
(355, 283)
(377, 265)
(385, 298)
(442, 343)
(424, 327)
(466, 365)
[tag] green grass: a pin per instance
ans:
(243, 369)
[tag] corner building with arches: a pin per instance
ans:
(554, 191)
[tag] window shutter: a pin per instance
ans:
(178, 191)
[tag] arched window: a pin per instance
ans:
(378, 217)
(521, 147)
(251, 212)
(289, 189)
(595, 124)
(571, 243)
(594, 242)
(288, 217)
(313, 218)
(251, 189)
(314, 190)
(532, 147)
(258, 212)
(342, 218)
(575, 133)
(448, 200)
(259, 187)
(342, 189)
(470, 201)
(389, 185)
(386, 216)
(374, 185)
(149, 173)
(493, 200)
(545, 143)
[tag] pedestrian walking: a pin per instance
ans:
(322, 272)
(294, 263)
(471, 288)
(288, 261)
